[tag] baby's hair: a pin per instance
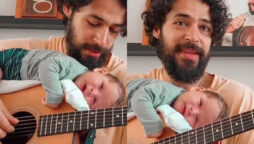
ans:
(224, 109)
(114, 79)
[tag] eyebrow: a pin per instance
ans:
(101, 19)
(187, 16)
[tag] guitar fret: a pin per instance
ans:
(67, 122)
(241, 121)
(99, 118)
(204, 134)
(50, 124)
(56, 123)
(41, 128)
(73, 128)
(95, 121)
(80, 124)
(221, 129)
(62, 124)
(252, 116)
(212, 131)
(45, 133)
(246, 121)
(232, 132)
(112, 117)
(104, 118)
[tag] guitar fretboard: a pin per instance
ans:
(84, 120)
(214, 132)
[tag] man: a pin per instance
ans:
(183, 32)
(239, 22)
(92, 26)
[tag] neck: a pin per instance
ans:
(205, 81)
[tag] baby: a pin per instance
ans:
(198, 107)
(100, 89)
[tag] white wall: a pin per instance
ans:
(237, 68)
(7, 8)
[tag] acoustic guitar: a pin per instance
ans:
(203, 135)
(39, 124)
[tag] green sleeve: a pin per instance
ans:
(146, 99)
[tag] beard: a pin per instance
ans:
(251, 11)
(190, 72)
(74, 50)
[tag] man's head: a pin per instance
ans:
(92, 28)
(195, 105)
(183, 32)
(100, 89)
(251, 6)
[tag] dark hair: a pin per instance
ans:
(224, 107)
(114, 79)
(77, 4)
(158, 10)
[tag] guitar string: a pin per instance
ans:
(31, 132)
(203, 135)
(109, 116)
(225, 121)
(85, 122)
(169, 139)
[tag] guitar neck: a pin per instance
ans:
(214, 132)
(83, 120)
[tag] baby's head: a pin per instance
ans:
(201, 107)
(101, 89)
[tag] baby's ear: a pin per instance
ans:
(197, 88)
(100, 70)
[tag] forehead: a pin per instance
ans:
(109, 11)
(194, 9)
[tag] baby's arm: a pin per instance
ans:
(49, 76)
(142, 105)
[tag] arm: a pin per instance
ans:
(142, 105)
(48, 73)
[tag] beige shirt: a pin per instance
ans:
(115, 65)
(239, 98)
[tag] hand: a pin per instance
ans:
(236, 23)
(6, 121)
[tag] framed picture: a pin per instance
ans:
(37, 9)
(237, 41)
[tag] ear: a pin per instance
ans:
(156, 32)
(67, 9)
(100, 70)
(197, 88)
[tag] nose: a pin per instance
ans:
(193, 110)
(192, 34)
(101, 36)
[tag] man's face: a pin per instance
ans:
(251, 6)
(92, 30)
(185, 40)
(98, 90)
(195, 105)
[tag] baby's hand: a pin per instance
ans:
(154, 135)
(54, 106)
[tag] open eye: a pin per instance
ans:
(181, 23)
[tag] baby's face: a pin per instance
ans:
(197, 108)
(97, 89)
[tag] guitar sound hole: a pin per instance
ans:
(23, 131)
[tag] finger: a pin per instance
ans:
(10, 118)
(4, 124)
(2, 134)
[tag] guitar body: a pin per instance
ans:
(136, 133)
(29, 103)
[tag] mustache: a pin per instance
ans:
(93, 47)
(189, 46)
